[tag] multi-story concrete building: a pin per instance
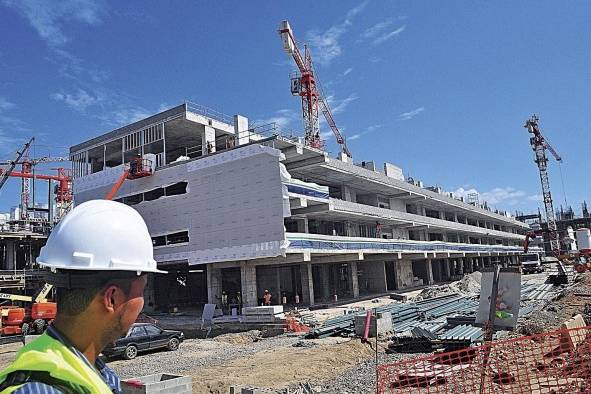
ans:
(234, 209)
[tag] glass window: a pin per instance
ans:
(155, 194)
(114, 153)
(138, 331)
(96, 157)
(178, 238)
(159, 241)
(177, 188)
(152, 330)
(133, 199)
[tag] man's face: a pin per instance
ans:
(131, 309)
(128, 310)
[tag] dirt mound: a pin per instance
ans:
(241, 338)
(468, 286)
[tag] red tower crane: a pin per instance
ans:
(539, 146)
(305, 86)
(63, 189)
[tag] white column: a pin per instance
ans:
(241, 129)
(208, 140)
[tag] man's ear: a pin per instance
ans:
(113, 297)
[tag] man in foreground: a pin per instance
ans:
(99, 255)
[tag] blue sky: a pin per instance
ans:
(441, 89)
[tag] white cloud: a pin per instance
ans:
(388, 36)
(410, 114)
(536, 198)
(377, 28)
(326, 45)
(10, 127)
(283, 119)
(126, 115)
(347, 71)
(499, 195)
(5, 104)
(370, 129)
(49, 17)
(326, 134)
(164, 106)
(337, 106)
(80, 100)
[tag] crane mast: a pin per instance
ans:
(539, 146)
(305, 86)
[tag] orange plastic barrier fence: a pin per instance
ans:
(553, 362)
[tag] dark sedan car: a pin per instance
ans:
(142, 337)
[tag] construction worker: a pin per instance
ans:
(99, 255)
(267, 298)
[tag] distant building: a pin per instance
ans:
(239, 209)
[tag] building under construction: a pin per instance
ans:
(235, 210)
(25, 229)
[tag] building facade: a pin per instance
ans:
(236, 210)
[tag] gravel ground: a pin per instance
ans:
(362, 377)
(194, 354)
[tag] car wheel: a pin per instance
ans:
(39, 326)
(26, 329)
(130, 352)
(173, 344)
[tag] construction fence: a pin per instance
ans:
(553, 362)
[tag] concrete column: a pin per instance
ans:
(278, 284)
(349, 194)
(429, 268)
(307, 284)
(422, 235)
(455, 217)
(303, 225)
(241, 129)
(325, 281)
(208, 139)
(10, 254)
(468, 266)
(354, 278)
(248, 280)
(447, 268)
(150, 295)
(214, 285)
(404, 273)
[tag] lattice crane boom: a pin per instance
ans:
(12, 164)
(305, 86)
(539, 146)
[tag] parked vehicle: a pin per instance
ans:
(143, 337)
(531, 263)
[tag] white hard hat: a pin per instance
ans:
(100, 235)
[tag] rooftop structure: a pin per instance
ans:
(236, 210)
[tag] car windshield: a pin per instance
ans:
(529, 257)
(137, 331)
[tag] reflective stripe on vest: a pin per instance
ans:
(50, 355)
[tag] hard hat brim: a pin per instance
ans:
(87, 268)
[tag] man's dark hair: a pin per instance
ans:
(74, 299)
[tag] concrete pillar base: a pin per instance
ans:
(307, 284)
(248, 279)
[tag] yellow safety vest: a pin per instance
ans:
(46, 354)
